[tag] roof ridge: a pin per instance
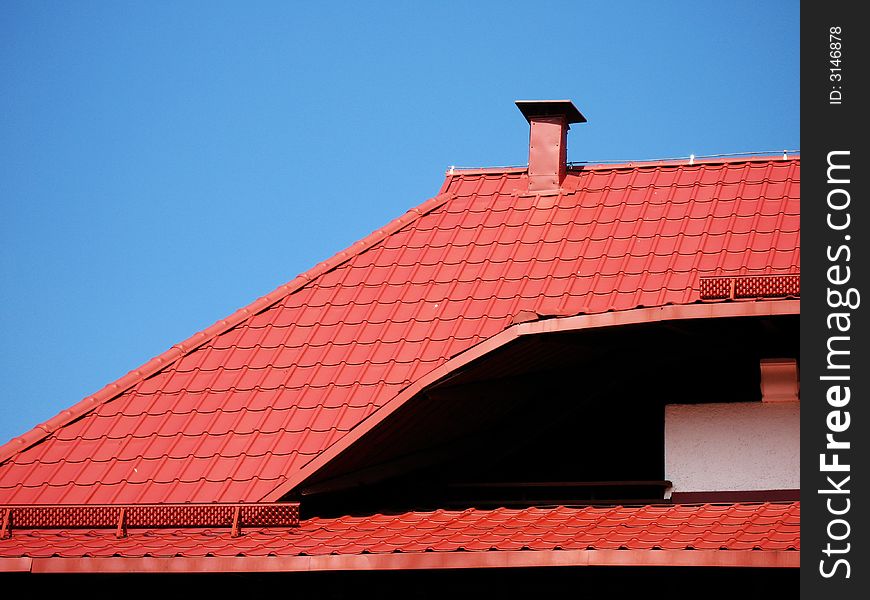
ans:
(168, 357)
(577, 166)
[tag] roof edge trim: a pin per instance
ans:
(416, 560)
(177, 351)
(546, 325)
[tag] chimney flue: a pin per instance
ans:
(549, 121)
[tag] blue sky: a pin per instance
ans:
(165, 163)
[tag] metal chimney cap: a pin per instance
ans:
(550, 108)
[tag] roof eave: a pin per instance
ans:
(410, 560)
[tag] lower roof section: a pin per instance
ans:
(708, 535)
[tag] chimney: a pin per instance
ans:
(549, 121)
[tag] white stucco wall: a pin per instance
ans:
(732, 446)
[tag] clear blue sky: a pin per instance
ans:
(165, 163)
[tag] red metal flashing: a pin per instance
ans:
(16, 565)
(576, 323)
(394, 562)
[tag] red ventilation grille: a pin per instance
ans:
(151, 516)
(754, 286)
(270, 515)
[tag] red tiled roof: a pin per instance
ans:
(235, 411)
(762, 528)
